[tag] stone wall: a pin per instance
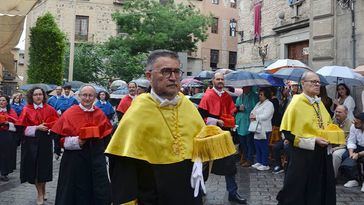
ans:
(248, 56)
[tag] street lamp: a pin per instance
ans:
(233, 27)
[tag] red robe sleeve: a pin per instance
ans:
(75, 118)
(124, 104)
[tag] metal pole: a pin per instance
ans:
(352, 9)
(72, 43)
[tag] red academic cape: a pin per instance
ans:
(32, 117)
(124, 104)
(71, 122)
(10, 116)
(216, 105)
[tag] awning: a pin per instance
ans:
(16, 7)
(10, 31)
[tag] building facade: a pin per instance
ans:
(220, 48)
(317, 32)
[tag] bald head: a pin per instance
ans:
(218, 81)
(87, 95)
(341, 113)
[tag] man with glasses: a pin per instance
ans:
(83, 175)
(53, 99)
(310, 176)
(214, 104)
(151, 149)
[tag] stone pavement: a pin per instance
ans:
(260, 188)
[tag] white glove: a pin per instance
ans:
(197, 178)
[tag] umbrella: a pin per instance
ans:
(142, 82)
(272, 80)
(285, 63)
(205, 74)
(224, 71)
(341, 74)
(242, 78)
(359, 69)
(118, 83)
(295, 74)
(191, 82)
(75, 85)
(45, 87)
(99, 88)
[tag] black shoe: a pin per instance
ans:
(278, 170)
(237, 198)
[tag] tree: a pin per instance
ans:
(150, 25)
(46, 52)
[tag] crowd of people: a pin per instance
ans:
(277, 129)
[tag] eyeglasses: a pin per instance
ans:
(314, 82)
(167, 72)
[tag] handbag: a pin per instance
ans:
(255, 126)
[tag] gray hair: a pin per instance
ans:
(344, 106)
(87, 85)
(304, 75)
(154, 55)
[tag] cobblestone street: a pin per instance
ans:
(259, 188)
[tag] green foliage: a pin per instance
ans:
(46, 52)
(149, 25)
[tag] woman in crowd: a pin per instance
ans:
(104, 104)
(261, 124)
(8, 146)
(16, 103)
(344, 98)
(36, 148)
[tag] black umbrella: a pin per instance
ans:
(45, 87)
(75, 85)
(205, 74)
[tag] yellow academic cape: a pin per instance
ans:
(301, 119)
(158, 135)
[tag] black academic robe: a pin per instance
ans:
(37, 152)
(83, 178)
(7, 144)
(309, 178)
(151, 184)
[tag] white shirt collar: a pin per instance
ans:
(312, 100)
(85, 109)
(218, 92)
(38, 106)
(3, 110)
(103, 102)
(163, 102)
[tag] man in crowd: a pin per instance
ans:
(126, 101)
(354, 152)
(83, 175)
(310, 177)
(53, 99)
(340, 119)
(151, 149)
(213, 105)
(65, 101)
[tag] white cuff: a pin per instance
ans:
(351, 146)
(30, 131)
(211, 121)
(307, 143)
(12, 127)
(71, 143)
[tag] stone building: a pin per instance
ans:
(317, 32)
(220, 49)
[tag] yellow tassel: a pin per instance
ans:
(212, 143)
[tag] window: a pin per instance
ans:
(214, 59)
(232, 59)
(233, 3)
(81, 30)
(215, 25)
(232, 26)
(215, 1)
